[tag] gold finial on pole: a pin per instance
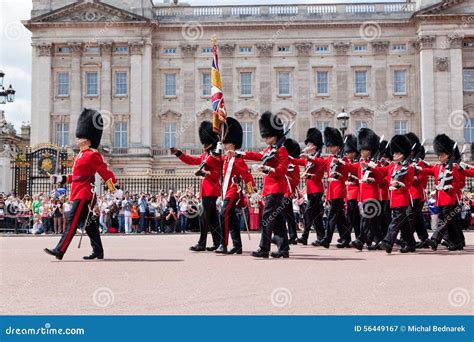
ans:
(214, 40)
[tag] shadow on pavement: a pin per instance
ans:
(125, 260)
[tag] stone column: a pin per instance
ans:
(343, 88)
(136, 51)
(147, 72)
(428, 125)
(303, 80)
(41, 94)
(379, 86)
(183, 135)
(264, 76)
(76, 89)
(106, 91)
(456, 89)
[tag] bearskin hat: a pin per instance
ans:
(368, 140)
(234, 134)
(270, 125)
(401, 144)
(90, 126)
(207, 134)
(333, 137)
(443, 143)
(414, 141)
(293, 148)
(351, 144)
(457, 154)
(422, 152)
(384, 149)
(314, 136)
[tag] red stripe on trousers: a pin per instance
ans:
(226, 222)
(72, 229)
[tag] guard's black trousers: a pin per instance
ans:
(273, 221)
(290, 219)
(385, 217)
(368, 222)
(353, 216)
(399, 222)
(314, 216)
(337, 219)
(229, 222)
(415, 219)
(209, 221)
(447, 222)
(77, 218)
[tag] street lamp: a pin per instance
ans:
(2, 74)
(343, 118)
(10, 94)
(3, 96)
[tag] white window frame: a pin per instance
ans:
(170, 51)
(468, 85)
(121, 130)
(402, 47)
(322, 124)
(61, 131)
(206, 86)
(97, 84)
(247, 141)
(169, 134)
(320, 83)
(121, 49)
(397, 82)
(321, 49)
(166, 92)
(247, 86)
(65, 84)
(360, 48)
(117, 85)
(397, 127)
(279, 84)
(245, 49)
(356, 90)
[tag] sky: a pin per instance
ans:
(15, 47)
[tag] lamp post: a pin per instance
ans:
(6, 95)
(343, 119)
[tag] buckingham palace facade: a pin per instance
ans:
(393, 67)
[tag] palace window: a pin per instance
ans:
(63, 49)
(361, 82)
(360, 124)
(169, 135)
(170, 84)
(92, 88)
(469, 131)
(283, 49)
(322, 83)
(120, 135)
(322, 48)
(247, 128)
(399, 47)
(321, 125)
(401, 127)
(121, 49)
(63, 84)
(169, 51)
(62, 134)
(245, 83)
(206, 84)
(468, 79)
(121, 84)
(245, 49)
(284, 83)
(92, 49)
(206, 50)
(360, 48)
(399, 82)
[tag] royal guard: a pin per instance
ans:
(275, 166)
(293, 179)
(385, 215)
(86, 164)
(465, 170)
(399, 175)
(352, 184)
(314, 166)
(417, 190)
(446, 177)
(336, 193)
(209, 168)
(237, 179)
(369, 195)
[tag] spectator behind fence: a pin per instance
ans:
(37, 225)
(170, 220)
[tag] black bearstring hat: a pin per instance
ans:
(423, 152)
(90, 126)
(270, 125)
(414, 141)
(457, 154)
(314, 136)
(293, 148)
(401, 144)
(234, 134)
(351, 144)
(206, 134)
(384, 150)
(443, 143)
(333, 137)
(368, 140)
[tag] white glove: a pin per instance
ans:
(56, 179)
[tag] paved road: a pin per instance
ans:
(158, 275)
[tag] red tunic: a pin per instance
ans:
(448, 197)
(367, 191)
(239, 169)
(336, 188)
(86, 164)
(352, 185)
(417, 189)
(398, 197)
(210, 183)
(315, 183)
(273, 182)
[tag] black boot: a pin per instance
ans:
(432, 243)
(221, 250)
(211, 249)
(55, 253)
(357, 244)
(374, 247)
(457, 247)
(304, 242)
(274, 241)
(197, 248)
(236, 250)
(407, 249)
(260, 253)
(422, 244)
(293, 242)
(94, 255)
(316, 243)
(386, 246)
(279, 254)
(401, 243)
(343, 244)
(325, 243)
